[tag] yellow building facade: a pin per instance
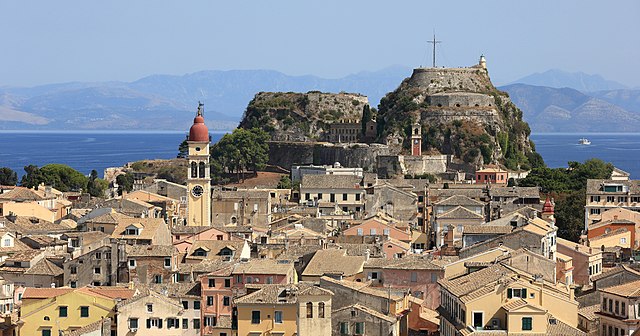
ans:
(47, 311)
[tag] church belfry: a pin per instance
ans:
(416, 139)
(198, 178)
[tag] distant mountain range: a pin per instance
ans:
(553, 101)
(168, 102)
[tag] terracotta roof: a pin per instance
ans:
(24, 255)
(629, 289)
(112, 217)
(214, 249)
(515, 304)
(368, 311)
(44, 293)
(589, 312)
(149, 250)
(179, 289)
(612, 221)
(596, 187)
(33, 226)
(280, 294)
(108, 292)
(524, 192)
(330, 182)
(459, 212)
(581, 248)
(333, 262)
(263, 266)
(482, 281)
(616, 232)
(149, 227)
(95, 326)
(409, 262)
(365, 288)
(457, 200)
(486, 229)
(24, 194)
(556, 327)
(44, 267)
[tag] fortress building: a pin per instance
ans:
(199, 178)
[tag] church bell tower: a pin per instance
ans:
(198, 178)
(416, 139)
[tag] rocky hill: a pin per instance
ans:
(461, 113)
(301, 117)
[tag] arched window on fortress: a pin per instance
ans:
(194, 170)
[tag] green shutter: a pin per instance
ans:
(524, 293)
(148, 323)
(509, 293)
(159, 323)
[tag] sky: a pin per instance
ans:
(122, 40)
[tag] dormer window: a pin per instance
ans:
(200, 252)
(132, 230)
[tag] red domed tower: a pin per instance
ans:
(548, 210)
(198, 178)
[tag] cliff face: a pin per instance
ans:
(301, 116)
(461, 113)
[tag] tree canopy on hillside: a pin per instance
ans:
(59, 176)
(240, 151)
(8, 176)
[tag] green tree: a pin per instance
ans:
(243, 150)
(125, 183)
(569, 214)
(285, 182)
(8, 176)
(366, 117)
(59, 176)
(183, 149)
(96, 186)
(32, 177)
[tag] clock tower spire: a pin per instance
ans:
(198, 178)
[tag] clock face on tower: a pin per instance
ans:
(197, 191)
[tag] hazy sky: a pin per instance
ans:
(55, 41)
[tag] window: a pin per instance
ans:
(527, 323)
(622, 199)
(414, 277)
(517, 292)
(212, 282)
(269, 280)
(309, 310)
(595, 199)
(478, 318)
(196, 305)
(255, 317)
(357, 197)
(277, 317)
(617, 310)
(307, 196)
(133, 323)
(97, 270)
(372, 231)
(196, 323)
(227, 283)
(359, 328)
(62, 311)
(610, 305)
(73, 284)
(623, 240)
(132, 263)
(360, 232)
(344, 197)
(385, 232)
(73, 270)
(209, 300)
(332, 197)
(131, 231)
(611, 199)
(321, 310)
(319, 196)
(344, 328)
(185, 323)
(46, 332)
(98, 255)
(357, 209)
(194, 170)
(149, 308)
(157, 278)
(84, 311)
(167, 262)
(209, 321)
(226, 301)
(239, 279)
(434, 278)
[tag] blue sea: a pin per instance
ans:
(85, 151)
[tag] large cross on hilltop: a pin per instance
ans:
(434, 42)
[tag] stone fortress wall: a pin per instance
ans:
(460, 100)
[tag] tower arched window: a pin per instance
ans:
(321, 310)
(194, 170)
(201, 168)
(309, 310)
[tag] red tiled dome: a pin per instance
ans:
(548, 206)
(199, 131)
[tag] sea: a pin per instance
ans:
(87, 150)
